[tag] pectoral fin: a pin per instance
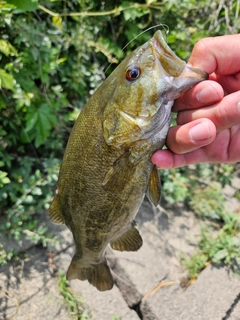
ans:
(154, 187)
(129, 241)
(119, 174)
(55, 211)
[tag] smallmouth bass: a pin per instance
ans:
(106, 169)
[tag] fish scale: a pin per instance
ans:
(106, 169)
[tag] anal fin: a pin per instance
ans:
(131, 240)
(55, 211)
(154, 187)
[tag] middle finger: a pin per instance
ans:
(223, 114)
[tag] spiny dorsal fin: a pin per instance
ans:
(154, 187)
(129, 241)
(55, 211)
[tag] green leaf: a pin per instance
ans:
(220, 255)
(28, 199)
(57, 22)
(6, 80)
(3, 178)
(37, 191)
(2, 104)
(7, 48)
(32, 119)
(24, 5)
(39, 122)
(133, 13)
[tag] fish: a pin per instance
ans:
(106, 169)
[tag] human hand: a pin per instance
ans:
(208, 121)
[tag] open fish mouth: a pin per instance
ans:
(178, 75)
(172, 64)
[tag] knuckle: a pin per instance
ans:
(220, 117)
(201, 46)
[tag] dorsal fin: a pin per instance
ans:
(55, 212)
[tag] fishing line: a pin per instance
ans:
(164, 26)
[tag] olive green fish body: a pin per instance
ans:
(105, 206)
(107, 169)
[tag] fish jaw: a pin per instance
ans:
(186, 80)
(170, 62)
(179, 76)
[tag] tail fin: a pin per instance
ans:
(98, 275)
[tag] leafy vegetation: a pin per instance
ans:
(217, 247)
(219, 240)
(53, 55)
(207, 202)
(5, 256)
(72, 301)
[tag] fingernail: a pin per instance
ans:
(207, 95)
(199, 132)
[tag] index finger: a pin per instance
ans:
(201, 95)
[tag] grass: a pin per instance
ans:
(219, 238)
(72, 301)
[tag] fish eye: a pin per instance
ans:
(133, 73)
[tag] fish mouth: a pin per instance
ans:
(172, 64)
(189, 77)
(202, 74)
(180, 75)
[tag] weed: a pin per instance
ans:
(195, 264)
(218, 241)
(5, 256)
(237, 195)
(175, 185)
(224, 174)
(217, 247)
(207, 202)
(73, 302)
(41, 236)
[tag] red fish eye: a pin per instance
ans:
(133, 73)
